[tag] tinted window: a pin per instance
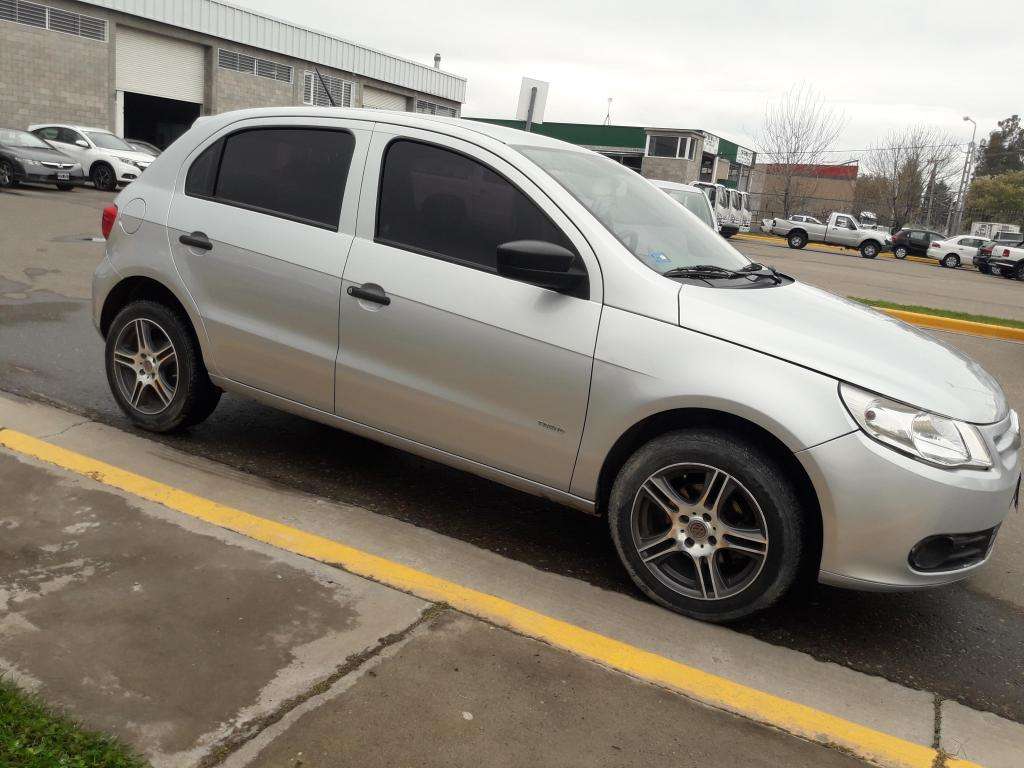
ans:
(202, 175)
(448, 205)
(298, 173)
(663, 146)
(68, 136)
(46, 133)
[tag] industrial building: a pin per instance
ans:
(673, 154)
(146, 69)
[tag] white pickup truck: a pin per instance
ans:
(1008, 260)
(842, 229)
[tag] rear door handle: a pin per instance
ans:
(196, 240)
(369, 292)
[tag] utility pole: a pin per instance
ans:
(931, 194)
(965, 178)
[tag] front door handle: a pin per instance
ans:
(369, 292)
(196, 240)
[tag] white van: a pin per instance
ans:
(745, 214)
(691, 198)
(719, 197)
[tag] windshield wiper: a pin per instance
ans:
(751, 271)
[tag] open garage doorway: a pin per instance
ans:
(157, 120)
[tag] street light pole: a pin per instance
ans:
(965, 177)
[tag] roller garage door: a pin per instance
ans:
(377, 99)
(155, 65)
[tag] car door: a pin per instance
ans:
(449, 353)
(260, 225)
(918, 242)
(843, 231)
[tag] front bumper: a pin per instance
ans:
(877, 504)
(41, 174)
(127, 173)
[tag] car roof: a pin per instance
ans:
(454, 125)
(81, 128)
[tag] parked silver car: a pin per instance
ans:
(542, 316)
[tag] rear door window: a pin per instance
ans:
(444, 204)
(50, 134)
(294, 173)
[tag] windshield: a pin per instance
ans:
(15, 138)
(694, 202)
(660, 233)
(109, 141)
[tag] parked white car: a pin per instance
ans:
(691, 198)
(106, 159)
(954, 251)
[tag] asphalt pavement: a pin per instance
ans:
(964, 642)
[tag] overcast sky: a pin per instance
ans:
(710, 65)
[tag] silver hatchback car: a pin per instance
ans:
(539, 315)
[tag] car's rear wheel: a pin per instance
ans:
(900, 252)
(796, 240)
(950, 261)
(103, 177)
(707, 525)
(6, 173)
(155, 369)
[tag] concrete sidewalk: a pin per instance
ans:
(201, 647)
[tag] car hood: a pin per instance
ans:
(848, 341)
(38, 153)
(134, 154)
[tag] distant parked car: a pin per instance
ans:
(803, 217)
(985, 254)
(1008, 260)
(106, 159)
(24, 157)
(913, 242)
(954, 251)
(144, 146)
(691, 198)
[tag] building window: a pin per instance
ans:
(314, 93)
(691, 148)
(54, 19)
(663, 146)
(430, 108)
(250, 65)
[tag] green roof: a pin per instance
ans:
(628, 137)
(728, 149)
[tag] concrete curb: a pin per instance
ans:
(952, 324)
(880, 748)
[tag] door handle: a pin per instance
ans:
(196, 240)
(369, 292)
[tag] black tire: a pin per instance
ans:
(900, 252)
(950, 261)
(796, 240)
(758, 473)
(65, 187)
(103, 177)
(869, 249)
(727, 234)
(6, 174)
(985, 269)
(1018, 272)
(194, 398)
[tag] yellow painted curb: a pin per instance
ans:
(719, 692)
(952, 324)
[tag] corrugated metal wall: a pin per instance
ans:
(239, 25)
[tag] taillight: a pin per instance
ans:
(107, 222)
(986, 251)
(935, 245)
(1006, 253)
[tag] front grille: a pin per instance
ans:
(60, 166)
(951, 551)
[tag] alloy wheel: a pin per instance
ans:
(103, 178)
(699, 531)
(146, 366)
(5, 174)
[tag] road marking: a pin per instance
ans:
(713, 690)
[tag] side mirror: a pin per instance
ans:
(543, 264)
(82, 143)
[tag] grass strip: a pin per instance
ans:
(987, 319)
(32, 735)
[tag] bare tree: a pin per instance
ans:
(911, 162)
(797, 132)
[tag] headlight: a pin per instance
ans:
(27, 160)
(925, 436)
(133, 163)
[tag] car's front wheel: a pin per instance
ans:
(707, 524)
(155, 369)
(103, 177)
